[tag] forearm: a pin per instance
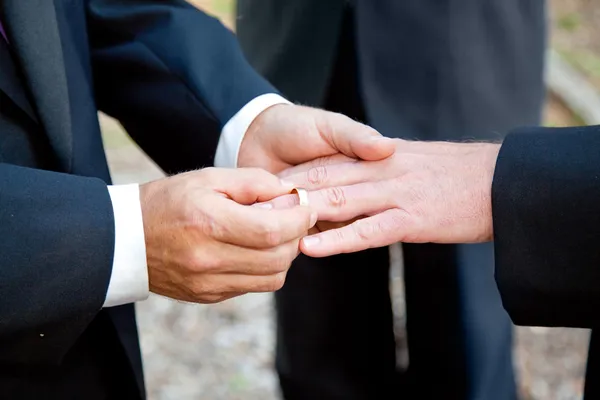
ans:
(545, 203)
(56, 250)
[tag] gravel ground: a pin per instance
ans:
(223, 351)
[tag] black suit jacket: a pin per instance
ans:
(428, 69)
(173, 76)
(546, 206)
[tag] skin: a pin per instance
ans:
(434, 192)
(284, 136)
(207, 241)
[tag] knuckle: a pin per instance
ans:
(213, 299)
(247, 188)
(366, 230)
(209, 226)
(283, 259)
(208, 263)
(278, 265)
(276, 282)
(317, 175)
(270, 233)
(335, 196)
(417, 206)
(414, 195)
(398, 218)
(202, 261)
(200, 289)
(402, 221)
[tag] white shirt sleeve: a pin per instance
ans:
(129, 279)
(235, 129)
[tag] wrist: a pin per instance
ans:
(148, 194)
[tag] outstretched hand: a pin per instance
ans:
(426, 192)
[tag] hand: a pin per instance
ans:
(205, 242)
(286, 135)
(426, 192)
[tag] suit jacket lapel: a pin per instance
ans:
(33, 31)
(10, 82)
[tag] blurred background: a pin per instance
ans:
(224, 351)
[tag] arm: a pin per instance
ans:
(546, 197)
(204, 243)
(171, 74)
(175, 88)
(537, 196)
(176, 79)
(55, 257)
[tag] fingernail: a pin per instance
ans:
(286, 183)
(266, 206)
(313, 219)
(310, 241)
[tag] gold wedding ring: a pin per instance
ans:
(302, 195)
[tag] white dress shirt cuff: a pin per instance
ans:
(129, 279)
(235, 129)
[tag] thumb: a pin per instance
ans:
(354, 139)
(373, 148)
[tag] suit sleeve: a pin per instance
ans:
(546, 210)
(171, 74)
(55, 258)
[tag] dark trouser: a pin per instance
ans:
(335, 324)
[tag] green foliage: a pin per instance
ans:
(569, 22)
(238, 383)
(224, 8)
(585, 60)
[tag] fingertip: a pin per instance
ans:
(311, 241)
(309, 245)
(376, 148)
(264, 206)
(289, 185)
